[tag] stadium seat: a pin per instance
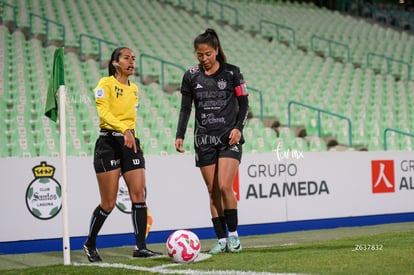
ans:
(286, 133)
(299, 144)
(317, 144)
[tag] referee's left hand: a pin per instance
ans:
(234, 137)
(129, 140)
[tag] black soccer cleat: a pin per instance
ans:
(92, 253)
(145, 253)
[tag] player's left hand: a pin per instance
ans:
(234, 137)
(179, 145)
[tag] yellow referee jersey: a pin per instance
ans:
(116, 104)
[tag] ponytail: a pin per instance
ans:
(211, 38)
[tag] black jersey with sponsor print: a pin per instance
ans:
(220, 100)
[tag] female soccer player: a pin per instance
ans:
(219, 93)
(118, 152)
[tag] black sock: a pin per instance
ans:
(139, 222)
(230, 216)
(219, 227)
(223, 224)
(97, 220)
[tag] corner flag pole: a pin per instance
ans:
(57, 88)
(62, 126)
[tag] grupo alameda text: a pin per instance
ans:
(279, 185)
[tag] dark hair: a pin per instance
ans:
(114, 57)
(211, 38)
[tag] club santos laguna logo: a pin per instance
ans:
(44, 194)
(124, 204)
(389, 175)
(123, 200)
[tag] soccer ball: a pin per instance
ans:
(183, 246)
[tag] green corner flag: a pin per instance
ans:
(57, 78)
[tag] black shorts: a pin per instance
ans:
(209, 154)
(110, 153)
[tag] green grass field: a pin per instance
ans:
(380, 249)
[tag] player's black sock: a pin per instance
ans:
(97, 220)
(223, 224)
(231, 219)
(139, 222)
(219, 227)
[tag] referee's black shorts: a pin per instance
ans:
(110, 153)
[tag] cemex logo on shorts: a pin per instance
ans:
(383, 180)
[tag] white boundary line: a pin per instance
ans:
(164, 269)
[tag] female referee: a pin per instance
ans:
(118, 152)
(219, 94)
